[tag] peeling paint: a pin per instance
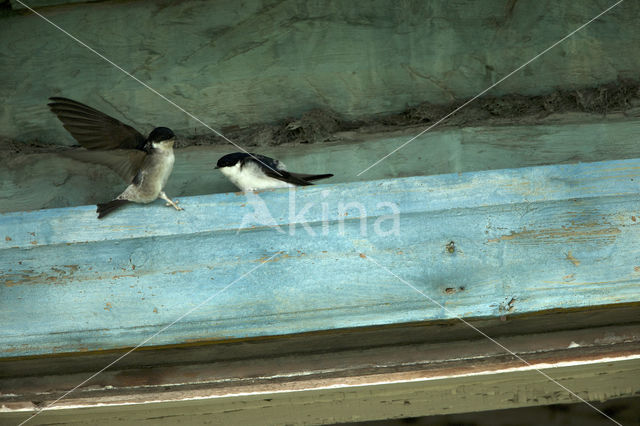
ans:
(28, 276)
(182, 271)
(572, 259)
(269, 259)
(565, 234)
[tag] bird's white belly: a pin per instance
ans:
(251, 178)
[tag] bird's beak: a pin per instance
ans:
(216, 167)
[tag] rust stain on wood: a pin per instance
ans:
(15, 279)
(27, 276)
(181, 271)
(115, 277)
(265, 259)
(572, 259)
(573, 233)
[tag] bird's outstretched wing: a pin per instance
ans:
(94, 129)
(108, 141)
(125, 162)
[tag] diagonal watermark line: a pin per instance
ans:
(490, 87)
(490, 338)
(82, 43)
(152, 336)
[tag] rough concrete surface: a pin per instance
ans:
(559, 106)
(326, 87)
(44, 179)
(272, 59)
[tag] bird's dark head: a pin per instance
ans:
(161, 135)
(231, 160)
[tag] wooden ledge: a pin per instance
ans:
(484, 245)
(338, 385)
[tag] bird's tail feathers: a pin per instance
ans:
(318, 177)
(106, 208)
(304, 179)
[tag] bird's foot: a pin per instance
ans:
(170, 202)
(174, 204)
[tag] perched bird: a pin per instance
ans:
(253, 172)
(144, 163)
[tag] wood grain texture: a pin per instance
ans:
(381, 399)
(525, 240)
(385, 373)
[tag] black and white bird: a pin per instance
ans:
(144, 163)
(254, 172)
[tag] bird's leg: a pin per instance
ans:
(169, 201)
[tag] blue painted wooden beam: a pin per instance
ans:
(524, 240)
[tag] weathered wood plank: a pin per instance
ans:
(542, 327)
(526, 240)
(379, 398)
(385, 373)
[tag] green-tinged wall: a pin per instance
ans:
(235, 63)
(34, 181)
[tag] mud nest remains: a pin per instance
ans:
(320, 125)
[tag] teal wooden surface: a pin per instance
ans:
(526, 240)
